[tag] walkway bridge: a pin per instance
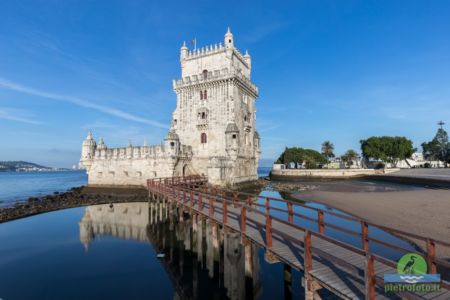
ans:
(275, 224)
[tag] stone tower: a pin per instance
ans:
(215, 112)
(87, 151)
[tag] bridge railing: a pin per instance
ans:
(194, 195)
(364, 233)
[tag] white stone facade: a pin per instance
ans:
(212, 132)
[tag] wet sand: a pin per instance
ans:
(420, 211)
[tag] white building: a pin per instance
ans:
(213, 130)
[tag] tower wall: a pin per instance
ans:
(215, 91)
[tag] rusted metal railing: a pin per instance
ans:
(186, 189)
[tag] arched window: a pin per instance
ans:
(205, 95)
(203, 138)
(201, 95)
(205, 74)
(203, 115)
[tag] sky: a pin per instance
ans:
(326, 70)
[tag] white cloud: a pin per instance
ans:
(79, 102)
(16, 115)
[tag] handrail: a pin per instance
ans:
(342, 216)
(363, 237)
(189, 191)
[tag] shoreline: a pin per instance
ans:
(75, 197)
(439, 178)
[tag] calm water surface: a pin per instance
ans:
(19, 186)
(103, 252)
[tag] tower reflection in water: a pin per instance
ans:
(203, 260)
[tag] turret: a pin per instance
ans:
(256, 141)
(232, 139)
(248, 59)
(172, 143)
(101, 144)
(129, 150)
(228, 40)
(87, 151)
(86, 230)
(184, 52)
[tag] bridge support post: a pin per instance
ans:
(320, 221)
(248, 252)
(364, 236)
(151, 213)
(311, 288)
(370, 277)
(215, 235)
(287, 279)
(194, 222)
(431, 255)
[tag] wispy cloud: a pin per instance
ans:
(261, 32)
(7, 84)
(16, 115)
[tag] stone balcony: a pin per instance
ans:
(222, 74)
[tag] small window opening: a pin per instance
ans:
(234, 136)
(203, 138)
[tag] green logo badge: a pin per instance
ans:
(412, 263)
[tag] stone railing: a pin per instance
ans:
(214, 76)
(216, 48)
(138, 152)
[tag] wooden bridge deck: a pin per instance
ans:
(335, 266)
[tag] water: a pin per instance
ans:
(100, 252)
(19, 186)
(264, 171)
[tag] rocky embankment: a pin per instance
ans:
(285, 186)
(75, 197)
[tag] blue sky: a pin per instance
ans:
(326, 70)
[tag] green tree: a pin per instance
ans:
(389, 149)
(327, 150)
(349, 157)
(438, 148)
(310, 157)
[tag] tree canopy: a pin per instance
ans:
(389, 149)
(310, 157)
(438, 148)
(327, 149)
(349, 157)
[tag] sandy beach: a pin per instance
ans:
(425, 212)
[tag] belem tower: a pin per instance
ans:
(212, 131)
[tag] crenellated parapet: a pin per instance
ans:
(154, 151)
(213, 77)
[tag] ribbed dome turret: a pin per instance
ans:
(232, 127)
(172, 136)
(89, 141)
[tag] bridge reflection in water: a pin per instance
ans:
(202, 260)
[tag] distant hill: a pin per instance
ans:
(21, 166)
